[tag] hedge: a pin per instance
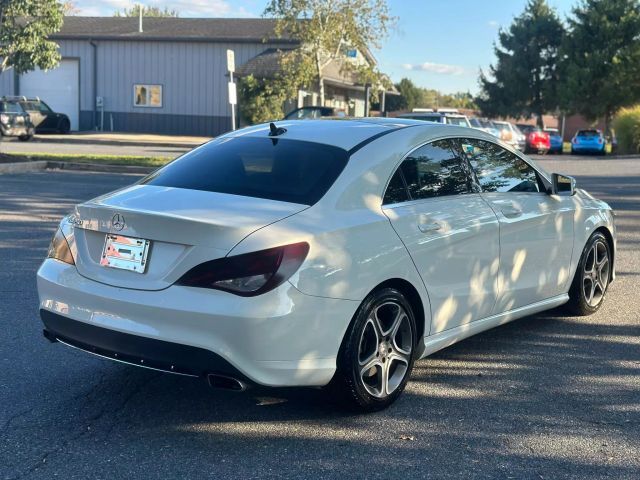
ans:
(627, 128)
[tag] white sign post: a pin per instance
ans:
(233, 97)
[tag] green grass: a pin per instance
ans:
(133, 160)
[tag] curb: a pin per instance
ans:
(39, 165)
(81, 141)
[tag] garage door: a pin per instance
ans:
(57, 87)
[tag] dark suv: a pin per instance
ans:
(44, 118)
(14, 121)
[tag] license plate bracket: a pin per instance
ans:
(125, 253)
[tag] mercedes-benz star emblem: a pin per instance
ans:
(117, 222)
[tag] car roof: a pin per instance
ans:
(343, 133)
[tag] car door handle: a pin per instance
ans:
(511, 212)
(425, 227)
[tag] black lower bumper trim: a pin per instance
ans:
(136, 350)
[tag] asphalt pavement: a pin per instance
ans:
(545, 397)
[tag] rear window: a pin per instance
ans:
(276, 169)
(460, 121)
(588, 133)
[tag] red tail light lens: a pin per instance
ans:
(248, 274)
(59, 248)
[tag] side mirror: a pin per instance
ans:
(563, 185)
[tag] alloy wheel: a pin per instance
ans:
(385, 348)
(595, 275)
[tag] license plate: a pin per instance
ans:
(125, 253)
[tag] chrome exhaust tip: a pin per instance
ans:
(224, 382)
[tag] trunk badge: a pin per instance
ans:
(117, 222)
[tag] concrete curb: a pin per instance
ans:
(121, 143)
(26, 167)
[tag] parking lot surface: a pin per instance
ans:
(545, 397)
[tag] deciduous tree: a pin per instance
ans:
(326, 30)
(25, 26)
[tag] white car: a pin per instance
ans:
(321, 253)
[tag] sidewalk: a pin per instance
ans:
(115, 138)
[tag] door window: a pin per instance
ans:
(396, 191)
(499, 170)
(434, 170)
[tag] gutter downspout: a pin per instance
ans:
(95, 83)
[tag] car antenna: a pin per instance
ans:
(275, 131)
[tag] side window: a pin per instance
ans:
(396, 191)
(499, 170)
(435, 170)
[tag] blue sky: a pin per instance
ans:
(439, 44)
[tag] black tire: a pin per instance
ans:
(25, 138)
(592, 260)
(64, 126)
(377, 312)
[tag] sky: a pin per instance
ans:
(439, 44)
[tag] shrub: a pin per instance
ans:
(627, 128)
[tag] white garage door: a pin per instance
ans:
(58, 88)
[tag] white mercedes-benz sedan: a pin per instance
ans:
(323, 253)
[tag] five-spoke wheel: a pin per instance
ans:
(592, 276)
(376, 357)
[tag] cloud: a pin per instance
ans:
(440, 68)
(493, 24)
(186, 8)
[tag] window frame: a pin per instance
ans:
(464, 163)
(148, 87)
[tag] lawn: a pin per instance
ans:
(132, 160)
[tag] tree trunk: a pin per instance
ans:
(321, 90)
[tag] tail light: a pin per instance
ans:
(249, 274)
(4, 118)
(59, 249)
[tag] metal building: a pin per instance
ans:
(169, 78)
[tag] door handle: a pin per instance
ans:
(429, 227)
(511, 212)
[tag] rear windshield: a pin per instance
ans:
(460, 121)
(9, 107)
(588, 133)
(276, 169)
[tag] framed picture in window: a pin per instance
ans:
(145, 95)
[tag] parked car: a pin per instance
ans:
(44, 118)
(537, 140)
(438, 117)
(588, 141)
(555, 140)
(306, 113)
(511, 134)
(485, 125)
(311, 254)
(14, 121)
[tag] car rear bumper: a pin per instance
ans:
(281, 338)
(587, 148)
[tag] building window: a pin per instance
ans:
(147, 96)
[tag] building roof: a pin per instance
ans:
(171, 29)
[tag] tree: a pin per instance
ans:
(601, 65)
(524, 80)
(24, 28)
(326, 29)
(147, 11)
(261, 100)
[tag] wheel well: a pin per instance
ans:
(409, 291)
(607, 234)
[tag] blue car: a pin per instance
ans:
(588, 141)
(555, 140)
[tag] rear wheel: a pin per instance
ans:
(64, 126)
(591, 280)
(376, 357)
(25, 138)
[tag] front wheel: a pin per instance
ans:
(592, 276)
(377, 353)
(64, 126)
(25, 138)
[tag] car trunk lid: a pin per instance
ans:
(184, 227)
